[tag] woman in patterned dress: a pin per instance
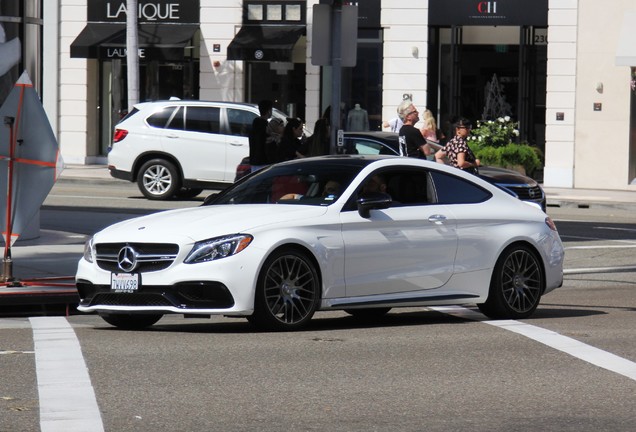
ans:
(457, 151)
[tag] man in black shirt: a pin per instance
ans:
(258, 136)
(412, 143)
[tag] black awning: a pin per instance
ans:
(264, 43)
(159, 41)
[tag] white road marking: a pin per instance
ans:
(67, 399)
(589, 270)
(630, 246)
(595, 356)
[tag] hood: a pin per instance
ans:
(193, 224)
(504, 176)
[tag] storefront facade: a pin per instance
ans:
(544, 55)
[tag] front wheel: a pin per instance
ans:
(516, 286)
(287, 291)
(130, 321)
(158, 179)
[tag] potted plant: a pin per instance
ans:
(494, 142)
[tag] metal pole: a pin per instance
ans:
(132, 53)
(7, 263)
(336, 69)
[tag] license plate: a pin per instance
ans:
(124, 282)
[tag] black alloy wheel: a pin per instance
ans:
(287, 291)
(516, 286)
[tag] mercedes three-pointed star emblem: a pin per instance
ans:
(127, 258)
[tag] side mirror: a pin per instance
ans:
(210, 199)
(373, 201)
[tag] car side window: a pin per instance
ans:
(240, 121)
(203, 119)
(451, 189)
(408, 187)
(365, 147)
(176, 120)
(160, 118)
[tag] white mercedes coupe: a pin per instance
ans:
(362, 234)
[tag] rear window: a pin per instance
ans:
(160, 118)
(454, 190)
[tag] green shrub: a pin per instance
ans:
(494, 143)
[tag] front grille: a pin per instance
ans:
(150, 256)
(137, 299)
(184, 295)
(526, 193)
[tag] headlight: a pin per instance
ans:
(216, 248)
(88, 250)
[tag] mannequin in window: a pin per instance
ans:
(357, 119)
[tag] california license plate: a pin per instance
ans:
(124, 282)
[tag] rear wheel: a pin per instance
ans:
(158, 179)
(287, 291)
(516, 286)
(130, 321)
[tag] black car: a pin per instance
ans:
(386, 143)
(516, 184)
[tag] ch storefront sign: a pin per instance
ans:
(488, 13)
(151, 11)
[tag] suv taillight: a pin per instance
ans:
(119, 135)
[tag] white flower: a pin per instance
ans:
(500, 120)
(516, 132)
(480, 137)
(507, 118)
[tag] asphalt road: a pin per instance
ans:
(571, 367)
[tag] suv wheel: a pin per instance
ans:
(158, 179)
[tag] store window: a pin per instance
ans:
(20, 43)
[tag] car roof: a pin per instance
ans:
(178, 102)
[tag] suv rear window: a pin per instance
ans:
(160, 118)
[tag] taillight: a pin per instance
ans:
(549, 222)
(119, 135)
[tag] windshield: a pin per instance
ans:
(316, 182)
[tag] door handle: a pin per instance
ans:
(437, 218)
(236, 144)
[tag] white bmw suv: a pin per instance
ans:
(178, 147)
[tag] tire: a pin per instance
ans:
(368, 314)
(158, 179)
(287, 291)
(516, 286)
(187, 193)
(129, 321)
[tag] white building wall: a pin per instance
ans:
(220, 79)
(405, 26)
(561, 93)
(601, 157)
(76, 108)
